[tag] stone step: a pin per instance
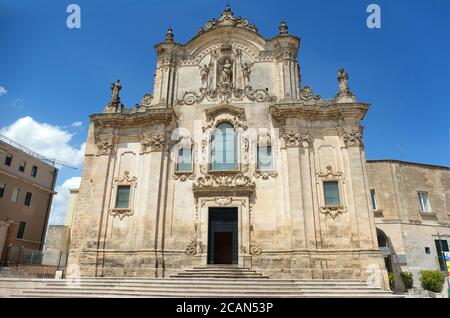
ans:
(209, 288)
(180, 280)
(177, 293)
(202, 284)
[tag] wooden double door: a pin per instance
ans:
(223, 236)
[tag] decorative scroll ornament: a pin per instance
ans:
(330, 174)
(227, 19)
(104, 147)
(153, 143)
(224, 180)
(147, 100)
(226, 93)
(293, 139)
(191, 248)
(223, 201)
(255, 248)
(183, 176)
(333, 211)
(121, 213)
(306, 93)
(265, 175)
(234, 121)
(126, 179)
(353, 139)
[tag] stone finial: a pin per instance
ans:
(227, 11)
(283, 28)
(169, 36)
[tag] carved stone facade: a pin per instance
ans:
(227, 76)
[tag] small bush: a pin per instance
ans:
(408, 280)
(432, 280)
(391, 280)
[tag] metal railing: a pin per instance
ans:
(30, 263)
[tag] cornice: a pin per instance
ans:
(154, 115)
(281, 111)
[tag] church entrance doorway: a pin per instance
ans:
(223, 236)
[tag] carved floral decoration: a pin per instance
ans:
(152, 143)
(353, 139)
(226, 93)
(295, 139)
(104, 147)
(255, 248)
(306, 93)
(224, 180)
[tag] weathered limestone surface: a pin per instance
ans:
(227, 73)
(399, 215)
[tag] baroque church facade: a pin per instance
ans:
(232, 160)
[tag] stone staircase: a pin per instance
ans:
(201, 282)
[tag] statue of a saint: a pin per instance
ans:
(227, 72)
(343, 81)
(246, 70)
(204, 71)
(115, 88)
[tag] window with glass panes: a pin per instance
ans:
(424, 203)
(184, 159)
(331, 193)
(123, 197)
(264, 157)
(224, 148)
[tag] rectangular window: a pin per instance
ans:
(123, 197)
(373, 197)
(21, 230)
(34, 171)
(264, 158)
(22, 166)
(15, 195)
(8, 160)
(28, 198)
(331, 192)
(439, 250)
(424, 203)
(2, 189)
(184, 160)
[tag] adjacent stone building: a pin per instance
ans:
(27, 183)
(232, 160)
(411, 203)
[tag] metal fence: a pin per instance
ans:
(31, 263)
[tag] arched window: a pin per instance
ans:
(224, 148)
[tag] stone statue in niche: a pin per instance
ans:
(226, 75)
(246, 70)
(204, 71)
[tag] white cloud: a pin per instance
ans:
(47, 140)
(3, 91)
(77, 124)
(59, 204)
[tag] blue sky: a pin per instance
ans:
(58, 76)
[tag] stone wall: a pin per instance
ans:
(409, 230)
